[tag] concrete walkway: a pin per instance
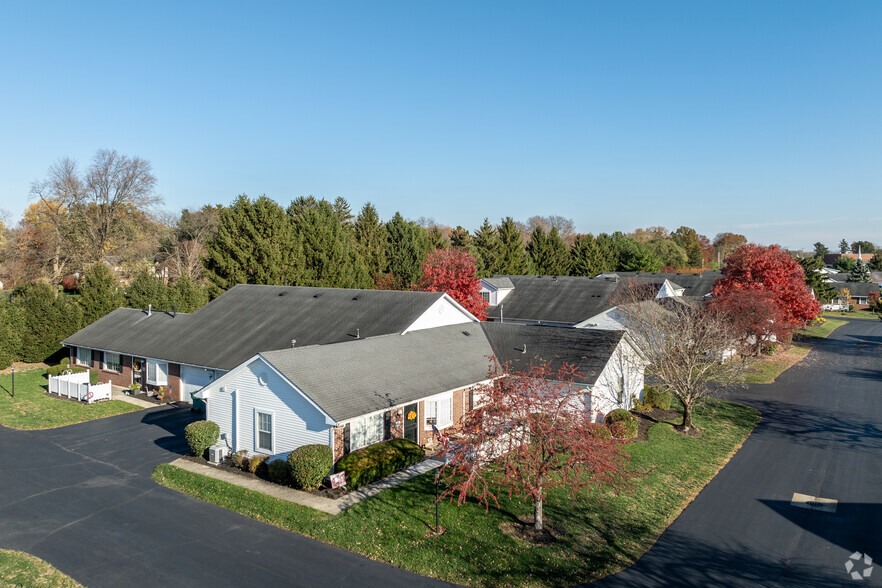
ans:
(118, 393)
(328, 505)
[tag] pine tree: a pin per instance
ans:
(636, 257)
(187, 296)
(486, 243)
(254, 244)
(147, 289)
(460, 238)
(876, 262)
(585, 257)
(548, 253)
(328, 252)
(608, 251)
(99, 293)
(843, 246)
(512, 260)
(436, 238)
(687, 238)
(370, 236)
(343, 211)
(46, 319)
(407, 248)
(11, 327)
(815, 280)
(820, 250)
(860, 272)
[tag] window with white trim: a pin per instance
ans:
(112, 362)
(365, 431)
(84, 356)
(263, 423)
(157, 373)
(486, 296)
(439, 412)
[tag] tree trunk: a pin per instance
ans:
(538, 519)
(687, 416)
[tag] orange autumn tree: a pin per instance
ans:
(454, 271)
(532, 432)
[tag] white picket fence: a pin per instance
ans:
(78, 386)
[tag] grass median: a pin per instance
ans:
(20, 569)
(596, 534)
(33, 409)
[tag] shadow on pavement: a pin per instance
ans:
(852, 527)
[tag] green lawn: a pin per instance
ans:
(596, 538)
(764, 370)
(822, 330)
(32, 409)
(21, 569)
(864, 314)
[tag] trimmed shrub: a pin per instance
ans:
(239, 459)
(378, 461)
(599, 432)
(658, 398)
(622, 424)
(277, 471)
(309, 465)
(254, 462)
(201, 435)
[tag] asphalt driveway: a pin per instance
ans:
(81, 498)
(821, 435)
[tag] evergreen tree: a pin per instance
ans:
(486, 243)
(436, 238)
(843, 246)
(11, 327)
(343, 211)
(820, 250)
(99, 293)
(585, 257)
(548, 253)
(460, 238)
(860, 272)
(187, 296)
(609, 252)
(512, 260)
(254, 244)
(46, 319)
(687, 238)
(824, 292)
(370, 234)
(407, 248)
(667, 252)
(635, 257)
(328, 253)
(876, 262)
(148, 289)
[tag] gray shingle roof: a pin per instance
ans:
(587, 349)
(499, 282)
(694, 284)
(248, 319)
(561, 299)
(360, 377)
(861, 289)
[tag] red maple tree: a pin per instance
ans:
(753, 268)
(454, 271)
(531, 432)
(756, 318)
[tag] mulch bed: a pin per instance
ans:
(523, 529)
(227, 466)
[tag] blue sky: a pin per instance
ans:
(757, 117)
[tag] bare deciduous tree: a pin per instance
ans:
(687, 345)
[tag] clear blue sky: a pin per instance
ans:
(757, 117)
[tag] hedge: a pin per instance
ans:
(309, 464)
(378, 461)
(201, 435)
(622, 424)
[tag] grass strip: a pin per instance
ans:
(764, 370)
(21, 569)
(598, 533)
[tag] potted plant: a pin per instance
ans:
(162, 394)
(133, 389)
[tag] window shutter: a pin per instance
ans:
(345, 438)
(387, 425)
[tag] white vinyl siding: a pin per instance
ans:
(296, 422)
(365, 431)
(112, 362)
(157, 373)
(439, 412)
(263, 434)
(84, 356)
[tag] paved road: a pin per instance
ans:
(821, 435)
(81, 498)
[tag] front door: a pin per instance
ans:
(137, 371)
(410, 422)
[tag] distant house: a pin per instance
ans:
(184, 352)
(350, 395)
(859, 293)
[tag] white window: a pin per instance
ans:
(84, 356)
(439, 412)
(365, 431)
(263, 424)
(157, 373)
(486, 296)
(111, 362)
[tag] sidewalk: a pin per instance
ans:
(116, 393)
(328, 505)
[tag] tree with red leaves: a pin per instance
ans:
(755, 268)
(454, 271)
(530, 433)
(756, 318)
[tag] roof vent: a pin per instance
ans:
(358, 333)
(293, 342)
(149, 309)
(524, 350)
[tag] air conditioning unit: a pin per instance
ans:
(217, 453)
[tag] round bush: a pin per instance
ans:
(201, 435)
(658, 398)
(378, 461)
(599, 432)
(278, 472)
(309, 465)
(622, 424)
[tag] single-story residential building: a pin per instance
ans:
(350, 395)
(184, 352)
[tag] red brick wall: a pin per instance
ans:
(338, 442)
